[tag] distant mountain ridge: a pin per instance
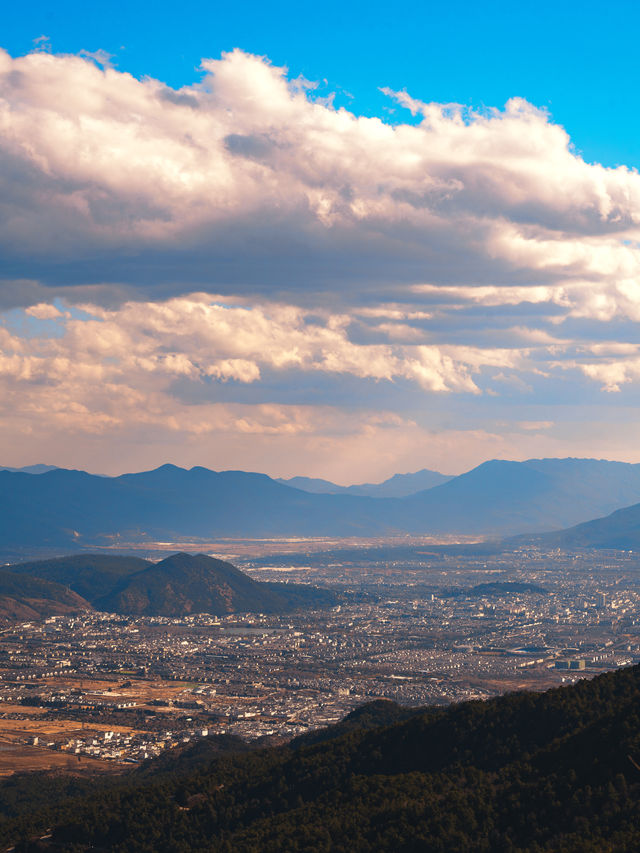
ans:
(620, 530)
(180, 585)
(62, 509)
(31, 469)
(398, 486)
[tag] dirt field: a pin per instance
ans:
(6, 708)
(140, 691)
(14, 730)
(19, 758)
(18, 754)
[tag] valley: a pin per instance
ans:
(416, 626)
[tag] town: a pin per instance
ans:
(122, 690)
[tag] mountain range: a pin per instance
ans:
(31, 469)
(398, 486)
(177, 586)
(64, 509)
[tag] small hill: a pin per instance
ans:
(180, 585)
(186, 583)
(499, 588)
(398, 486)
(35, 598)
(90, 575)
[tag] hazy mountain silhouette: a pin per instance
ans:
(620, 530)
(499, 495)
(61, 508)
(398, 486)
(31, 469)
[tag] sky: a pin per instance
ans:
(343, 241)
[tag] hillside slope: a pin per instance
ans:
(35, 598)
(620, 530)
(185, 583)
(556, 772)
(536, 495)
(89, 575)
(177, 586)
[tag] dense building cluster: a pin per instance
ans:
(137, 686)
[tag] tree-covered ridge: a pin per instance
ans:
(33, 598)
(177, 586)
(90, 575)
(557, 771)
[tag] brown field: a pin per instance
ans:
(16, 758)
(18, 755)
(141, 690)
(528, 680)
(7, 708)
(15, 730)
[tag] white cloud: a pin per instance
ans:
(96, 164)
(535, 426)
(467, 250)
(44, 311)
(147, 345)
(612, 374)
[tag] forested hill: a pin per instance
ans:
(546, 773)
(177, 586)
(196, 583)
(90, 575)
(34, 598)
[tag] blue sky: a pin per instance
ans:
(248, 255)
(576, 59)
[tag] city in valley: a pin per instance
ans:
(415, 625)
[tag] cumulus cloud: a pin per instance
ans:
(147, 345)
(210, 245)
(243, 182)
(44, 311)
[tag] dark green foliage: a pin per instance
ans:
(500, 588)
(381, 712)
(184, 759)
(554, 772)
